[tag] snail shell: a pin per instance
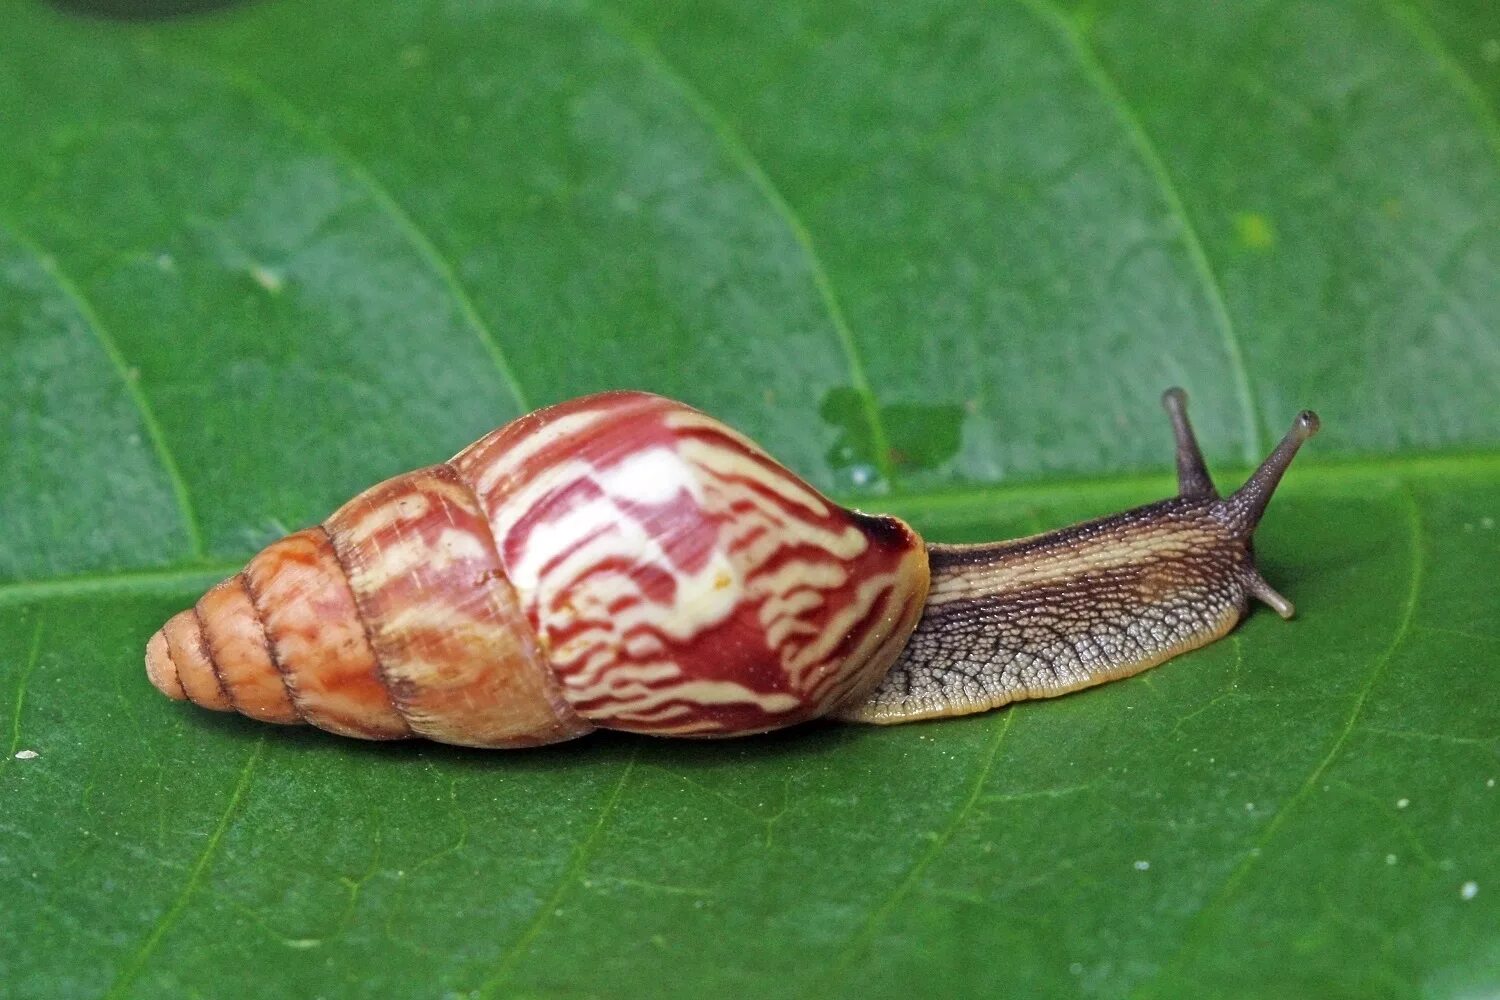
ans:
(623, 561)
(619, 561)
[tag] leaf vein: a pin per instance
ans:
(262, 94)
(1410, 15)
(74, 294)
(194, 879)
(1211, 909)
(571, 876)
(1094, 71)
(866, 933)
(736, 149)
(15, 714)
(168, 578)
(1490, 743)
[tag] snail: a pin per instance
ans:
(623, 561)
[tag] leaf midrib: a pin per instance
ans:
(1329, 477)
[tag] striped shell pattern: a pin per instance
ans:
(619, 561)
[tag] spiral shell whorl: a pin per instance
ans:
(393, 619)
(620, 561)
(681, 580)
(280, 641)
(455, 654)
(215, 655)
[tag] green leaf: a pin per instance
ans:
(939, 257)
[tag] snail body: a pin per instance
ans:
(624, 561)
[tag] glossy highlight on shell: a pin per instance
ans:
(618, 561)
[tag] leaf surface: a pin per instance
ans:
(941, 258)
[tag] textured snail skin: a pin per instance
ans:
(1042, 616)
(618, 561)
(623, 561)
